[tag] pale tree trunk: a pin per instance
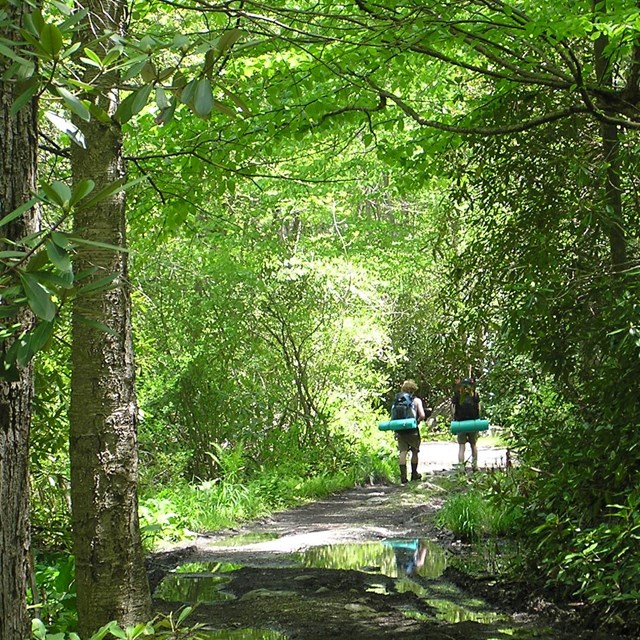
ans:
(111, 578)
(18, 139)
(613, 216)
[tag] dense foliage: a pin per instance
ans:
(326, 199)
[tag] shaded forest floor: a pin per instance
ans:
(345, 567)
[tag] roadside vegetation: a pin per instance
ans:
(319, 204)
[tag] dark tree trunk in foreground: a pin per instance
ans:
(18, 138)
(111, 578)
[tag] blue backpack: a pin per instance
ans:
(402, 407)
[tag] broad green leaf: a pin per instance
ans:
(141, 98)
(203, 98)
(38, 297)
(103, 194)
(58, 192)
(188, 92)
(74, 104)
(82, 189)
(59, 257)
(228, 39)
(51, 40)
(133, 103)
(41, 335)
(60, 239)
(37, 20)
(12, 254)
(111, 56)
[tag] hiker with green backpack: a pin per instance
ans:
(466, 406)
(407, 405)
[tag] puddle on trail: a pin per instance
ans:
(415, 565)
(243, 539)
(241, 634)
(394, 558)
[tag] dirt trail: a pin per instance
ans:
(270, 586)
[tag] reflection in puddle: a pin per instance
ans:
(244, 539)
(451, 612)
(393, 558)
(189, 588)
(415, 565)
(207, 567)
(241, 634)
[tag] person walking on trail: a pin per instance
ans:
(409, 439)
(466, 406)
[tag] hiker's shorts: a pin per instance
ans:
(408, 440)
(471, 437)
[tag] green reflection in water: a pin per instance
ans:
(452, 612)
(242, 634)
(394, 558)
(245, 538)
(193, 588)
(207, 567)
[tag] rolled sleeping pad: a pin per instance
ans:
(466, 426)
(397, 425)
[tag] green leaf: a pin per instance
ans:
(203, 98)
(16, 213)
(228, 39)
(37, 20)
(60, 239)
(12, 55)
(58, 192)
(82, 189)
(74, 103)
(25, 97)
(12, 254)
(51, 40)
(97, 325)
(38, 297)
(59, 257)
(41, 335)
(183, 614)
(133, 104)
(103, 194)
(101, 283)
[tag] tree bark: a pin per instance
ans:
(111, 578)
(18, 149)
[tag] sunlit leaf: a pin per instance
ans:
(38, 297)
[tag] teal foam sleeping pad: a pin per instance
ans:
(465, 426)
(397, 425)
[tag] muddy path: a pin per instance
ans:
(367, 563)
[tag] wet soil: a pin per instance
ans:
(295, 575)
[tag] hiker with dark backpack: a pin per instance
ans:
(466, 406)
(407, 405)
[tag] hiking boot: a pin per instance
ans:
(403, 475)
(414, 472)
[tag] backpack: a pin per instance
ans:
(402, 407)
(467, 406)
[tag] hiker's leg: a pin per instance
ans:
(403, 449)
(462, 443)
(473, 441)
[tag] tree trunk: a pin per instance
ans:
(18, 140)
(111, 578)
